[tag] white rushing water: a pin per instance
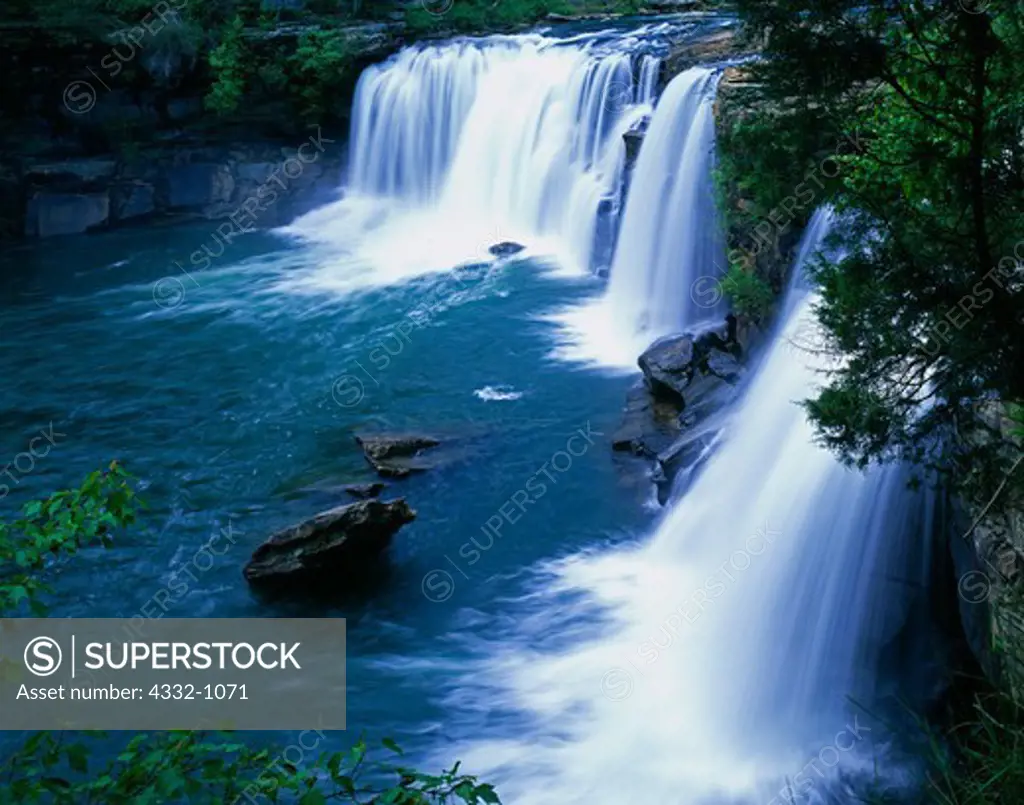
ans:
(670, 256)
(670, 233)
(734, 637)
(459, 146)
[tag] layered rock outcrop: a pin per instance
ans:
(986, 542)
(669, 413)
(259, 183)
(335, 546)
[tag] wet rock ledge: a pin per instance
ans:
(670, 413)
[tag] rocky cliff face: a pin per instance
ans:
(251, 185)
(986, 542)
(83, 147)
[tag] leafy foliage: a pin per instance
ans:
(927, 304)
(60, 525)
(764, 149)
(195, 766)
(317, 69)
(987, 733)
(226, 63)
(215, 768)
(313, 75)
(772, 170)
(749, 293)
(487, 15)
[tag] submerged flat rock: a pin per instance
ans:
(397, 455)
(363, 491)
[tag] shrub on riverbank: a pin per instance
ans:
(986, 764)
(768, 181)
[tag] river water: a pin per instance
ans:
(235, 404)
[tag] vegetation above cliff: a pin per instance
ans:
(911, 115)
(282, 61)
(486, 15)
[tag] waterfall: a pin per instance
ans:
(406, 119)
(542, 145)
(670, 238)
(734, 638)
(457, 146)
(670, 235)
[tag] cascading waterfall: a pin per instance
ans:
(776, 586)
(765, 599)
(670, 235)
(406, 119)
(458, 146)
(670, 256)
(648, 83)
(545, 175)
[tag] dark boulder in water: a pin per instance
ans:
(723, 365)
(671, 416)
(506, 248)
(668, 366)
(396, 456)
(674, 363)
(337, 545)
(649, 424)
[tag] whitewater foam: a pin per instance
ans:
(459, 146)
(732, 640)
(669, 258)
(497, 393)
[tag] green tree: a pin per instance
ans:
(927, 305)
(317, 70)
(228, 65)
(56, 527)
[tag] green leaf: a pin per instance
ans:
(78, 758)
